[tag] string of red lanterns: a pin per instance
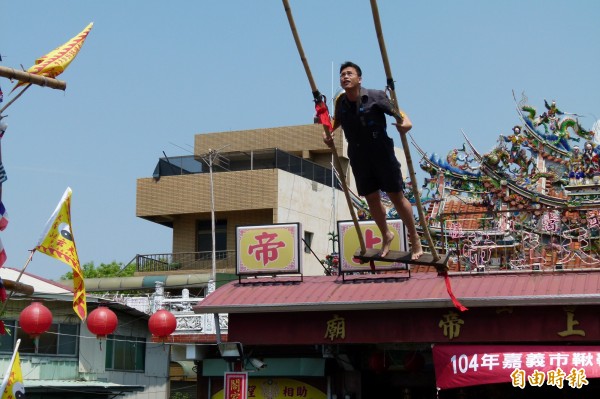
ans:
(36, 319)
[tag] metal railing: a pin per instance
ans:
(254, 160)
(186, 261)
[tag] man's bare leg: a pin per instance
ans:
(404, 209)
(379, 216)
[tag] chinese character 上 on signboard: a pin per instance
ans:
(349, 244)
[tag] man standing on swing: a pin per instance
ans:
(361, 114)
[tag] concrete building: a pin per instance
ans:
(260, 176)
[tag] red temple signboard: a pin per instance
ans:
(508, 325)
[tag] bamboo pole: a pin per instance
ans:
(15, 98)
(27, 77)
(318, 99)
(15, 286)
(19, 287)
(411, 170)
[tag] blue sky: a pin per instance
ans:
(152, 74)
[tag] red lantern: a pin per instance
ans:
(35, 319)
(102, 321)
(377, 362)
(162, 323)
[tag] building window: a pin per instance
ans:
(204, 241)
(125, 353)
(59, 340)
(308, 237)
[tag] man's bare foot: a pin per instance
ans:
(385, 245)
(416, 249)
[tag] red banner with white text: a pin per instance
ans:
(522, 365)
(236, 385)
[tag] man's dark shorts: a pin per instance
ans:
(375, 166)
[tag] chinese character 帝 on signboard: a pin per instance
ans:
(268, 249)
(450, 325)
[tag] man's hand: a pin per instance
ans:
(328, 139)
(403, 123)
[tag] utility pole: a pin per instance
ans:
(209, 158)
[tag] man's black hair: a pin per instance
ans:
(352, 65)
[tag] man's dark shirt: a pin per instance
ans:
(371, 151)
(362, 119)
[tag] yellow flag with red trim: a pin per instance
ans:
(58, 241)
(13, 381)
(55, 62)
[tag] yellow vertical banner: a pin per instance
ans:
(12, 383)
(57, 241)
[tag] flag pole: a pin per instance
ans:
(15, 98)
(10, 366)
(411, 171)
(318, 97)
(28, 77)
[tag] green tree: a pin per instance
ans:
(112, 269)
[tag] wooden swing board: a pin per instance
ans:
(374, 254)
